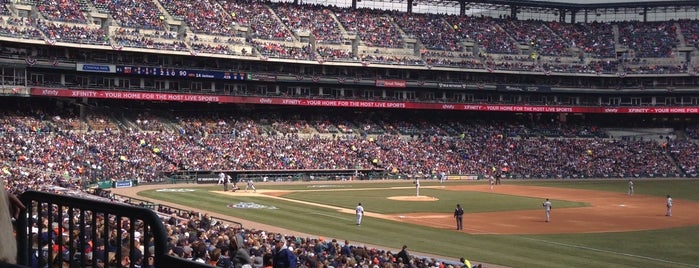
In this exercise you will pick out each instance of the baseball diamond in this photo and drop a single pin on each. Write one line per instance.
(603, 212)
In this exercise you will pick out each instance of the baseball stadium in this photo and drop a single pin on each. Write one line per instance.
(349, 133)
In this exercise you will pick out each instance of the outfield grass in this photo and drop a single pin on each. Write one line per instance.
(659, 248)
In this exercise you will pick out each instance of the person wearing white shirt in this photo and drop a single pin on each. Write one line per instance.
(630, 191)
(417, 187)
(360, 212)
(547, 207)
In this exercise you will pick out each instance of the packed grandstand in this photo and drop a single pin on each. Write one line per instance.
(60, 60)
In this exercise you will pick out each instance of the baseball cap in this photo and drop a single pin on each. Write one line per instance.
(178, 250)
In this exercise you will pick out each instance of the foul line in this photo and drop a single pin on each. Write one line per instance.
(609, 251)
(328, 215)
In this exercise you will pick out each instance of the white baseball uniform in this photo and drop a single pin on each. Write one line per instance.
(360, 212)
(547, 207)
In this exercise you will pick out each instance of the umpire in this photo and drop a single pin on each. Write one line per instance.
(459, 216)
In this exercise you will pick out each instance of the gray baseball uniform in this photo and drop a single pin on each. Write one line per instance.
(547, 207)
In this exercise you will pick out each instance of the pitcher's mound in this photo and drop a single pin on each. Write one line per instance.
(413, 198)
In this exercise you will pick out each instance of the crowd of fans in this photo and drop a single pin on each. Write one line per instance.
(63, 10)
(314, 19)
(58, 149)
(161, 40)
(374, 27)
(205, 17)
(277, 50)
(431, 30)
(594, 39)
(335, 54)
(143, 149)
(260, 21)
(690, 32)
(132, 14)
(18, 28)
(442, 40)
(73, 34)
(485, 32)
(649, 40)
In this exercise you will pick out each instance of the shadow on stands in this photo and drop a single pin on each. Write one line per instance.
(70, 231)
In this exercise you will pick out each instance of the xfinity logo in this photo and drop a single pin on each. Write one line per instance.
(49, 92)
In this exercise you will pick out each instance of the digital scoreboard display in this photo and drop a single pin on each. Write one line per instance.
(182, 73)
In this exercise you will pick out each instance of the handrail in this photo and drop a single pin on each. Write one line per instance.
(83, 218)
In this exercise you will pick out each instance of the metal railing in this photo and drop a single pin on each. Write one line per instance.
(91, 232)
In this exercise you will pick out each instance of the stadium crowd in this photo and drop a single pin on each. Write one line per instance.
(374, 27)
(162, 40)
(132, 14)
(48, 151)
(144, 148)
(442, 40)
(315, 20)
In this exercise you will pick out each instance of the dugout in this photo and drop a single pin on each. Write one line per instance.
(286, 175)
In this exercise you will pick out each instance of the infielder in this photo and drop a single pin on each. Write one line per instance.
(547, 208)
(250, 184)
(630, 191)
(669, 206)
(417, 187)
(492, 182)
(360, 212)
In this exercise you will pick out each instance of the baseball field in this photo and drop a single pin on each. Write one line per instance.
(594, 223)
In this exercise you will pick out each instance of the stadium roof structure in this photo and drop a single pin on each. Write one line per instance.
(589, 5)
(570, 8)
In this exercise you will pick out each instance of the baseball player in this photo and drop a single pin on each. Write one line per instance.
(492, 182)
(360, 212)
(630, 191)
(250, 184)
(221, 178)
(459, 215)
(417, 187)
(669, 206)
(547, 208)
(226, 181)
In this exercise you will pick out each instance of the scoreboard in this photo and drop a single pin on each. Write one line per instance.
(181, 73)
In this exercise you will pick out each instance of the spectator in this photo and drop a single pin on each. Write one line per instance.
(283, 257)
